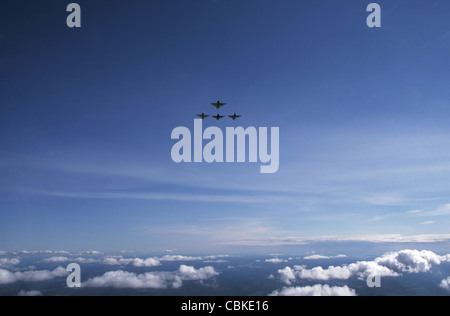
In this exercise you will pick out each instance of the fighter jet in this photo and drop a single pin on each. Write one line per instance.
(203, 116)
(218, 105)
(234, 117)
(218, 117)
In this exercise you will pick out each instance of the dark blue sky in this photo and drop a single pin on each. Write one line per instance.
(86, 117)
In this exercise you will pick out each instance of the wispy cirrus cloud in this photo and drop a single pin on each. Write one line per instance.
(223, 198)
(256, 232)
(385, 238)
(443, 210)
(389, 200)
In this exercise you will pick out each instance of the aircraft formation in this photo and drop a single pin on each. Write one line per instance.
(218, 117)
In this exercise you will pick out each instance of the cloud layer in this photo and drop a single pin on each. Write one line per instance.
(135, 262)
(29, 293)
(275, 260)
(390, 264)
(7, 277)
(152, 280)
(316, 290)
(320, 257)
(7, 263)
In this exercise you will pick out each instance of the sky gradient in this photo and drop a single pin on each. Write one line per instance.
(87, 114)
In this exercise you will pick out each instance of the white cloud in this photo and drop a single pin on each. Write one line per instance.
(35, 252)
(320, 257)
(428, 223)
(445, 284)
(287, 275)
(7, 277)
(190, 273)
(152, 280)
(316, 290)
(390, 264)
(135, 262)
(6, 262)
(189, 258)
(84, 260)
(2, 253)
(92, 252)
(123, 279)
(29, 293)
(66, 259)
(149, 262)
(386, 200)
(215, 261)
(318, 273)
(113, 261)
(62, 252)
(214, 257)
(360, 269)
(56, 259)
(275, 260)
(412, 261)
(375, 219)
(180, 258)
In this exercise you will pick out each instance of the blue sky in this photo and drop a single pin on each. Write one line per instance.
(86, 118)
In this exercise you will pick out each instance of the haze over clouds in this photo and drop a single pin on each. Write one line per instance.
(152, 280)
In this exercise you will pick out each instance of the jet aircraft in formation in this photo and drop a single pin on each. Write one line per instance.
(218, 105)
